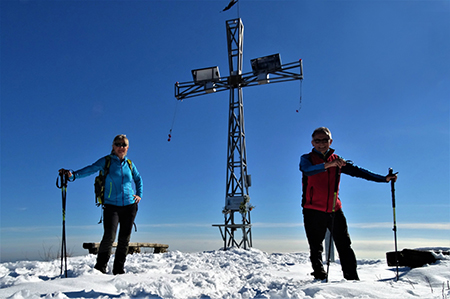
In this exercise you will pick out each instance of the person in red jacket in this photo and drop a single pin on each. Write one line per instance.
(322, 208)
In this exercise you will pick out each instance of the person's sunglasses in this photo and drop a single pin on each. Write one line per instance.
(118, 144)
(324, 140)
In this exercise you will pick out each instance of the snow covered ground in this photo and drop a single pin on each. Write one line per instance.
(235, 273)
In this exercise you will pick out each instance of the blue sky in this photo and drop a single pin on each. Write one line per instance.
(76, 73)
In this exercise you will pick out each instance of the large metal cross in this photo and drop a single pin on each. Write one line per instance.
(207, 81)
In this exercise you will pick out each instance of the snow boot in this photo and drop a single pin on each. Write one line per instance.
(102, 261)
(319, 272)
(119, 262)
(351, 276)
(319, 275)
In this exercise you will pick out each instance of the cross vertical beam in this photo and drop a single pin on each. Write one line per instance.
(236, 198)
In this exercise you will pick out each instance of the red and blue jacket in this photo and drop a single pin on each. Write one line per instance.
(319, 184)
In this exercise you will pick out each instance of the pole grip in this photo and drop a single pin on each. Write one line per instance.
(391, 171)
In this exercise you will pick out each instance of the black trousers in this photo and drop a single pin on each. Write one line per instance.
(316, 224)
(112, 217)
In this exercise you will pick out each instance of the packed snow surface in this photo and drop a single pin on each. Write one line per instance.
(235, 273)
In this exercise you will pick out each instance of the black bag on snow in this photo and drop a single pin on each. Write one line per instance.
(412, 258)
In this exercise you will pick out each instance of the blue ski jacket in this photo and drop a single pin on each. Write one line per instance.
(118, 184)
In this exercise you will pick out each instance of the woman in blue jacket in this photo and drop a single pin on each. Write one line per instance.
(120, 202)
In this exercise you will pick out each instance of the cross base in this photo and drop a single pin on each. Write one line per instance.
(227, 231)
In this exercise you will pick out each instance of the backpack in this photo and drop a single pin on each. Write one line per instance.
(413, 258)
(99, 183)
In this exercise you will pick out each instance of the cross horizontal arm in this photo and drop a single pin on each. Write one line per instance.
(192, 89)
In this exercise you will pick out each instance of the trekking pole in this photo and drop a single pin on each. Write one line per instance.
(63, 179)
(395, 222)
(332, 221)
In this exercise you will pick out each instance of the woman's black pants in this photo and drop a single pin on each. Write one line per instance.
(316, 224)
(112, 217)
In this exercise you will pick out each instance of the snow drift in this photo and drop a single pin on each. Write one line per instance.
(235, 273)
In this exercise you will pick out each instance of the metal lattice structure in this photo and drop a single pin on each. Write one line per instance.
(208, 80)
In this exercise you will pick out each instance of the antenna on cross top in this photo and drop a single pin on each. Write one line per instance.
(265, 70)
